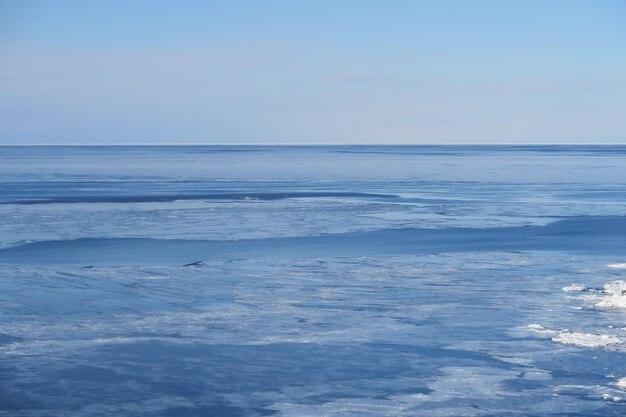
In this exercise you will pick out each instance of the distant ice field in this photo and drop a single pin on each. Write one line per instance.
(313, 281)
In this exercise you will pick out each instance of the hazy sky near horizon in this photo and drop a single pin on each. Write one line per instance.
(295, 72)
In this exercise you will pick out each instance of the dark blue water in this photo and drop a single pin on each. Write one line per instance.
(308, 281)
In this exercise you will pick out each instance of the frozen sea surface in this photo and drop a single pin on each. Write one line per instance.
(315, 281)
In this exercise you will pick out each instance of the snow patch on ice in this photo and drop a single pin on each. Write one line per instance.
(613, 398)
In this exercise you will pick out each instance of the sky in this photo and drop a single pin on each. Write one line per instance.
(312, 72)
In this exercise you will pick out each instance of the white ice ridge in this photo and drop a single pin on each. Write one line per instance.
(621, 383)
(618, 265)
(587, 339)
(567, 337)
(615, 295)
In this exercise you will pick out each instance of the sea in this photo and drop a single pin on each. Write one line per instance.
(312, 281)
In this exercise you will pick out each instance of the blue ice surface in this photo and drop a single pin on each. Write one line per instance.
(308, 281)
(599, 235)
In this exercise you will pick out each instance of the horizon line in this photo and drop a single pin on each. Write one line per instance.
(313, 144)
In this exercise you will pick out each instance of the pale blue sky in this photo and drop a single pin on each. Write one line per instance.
(349, 71)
